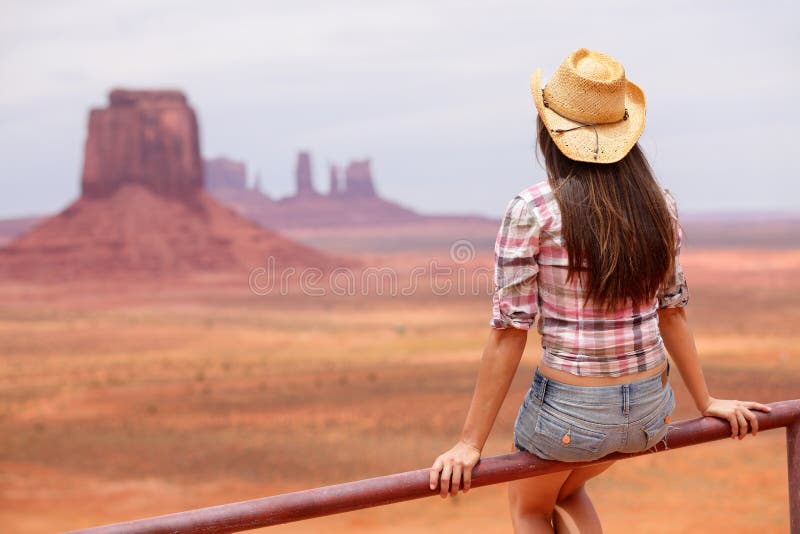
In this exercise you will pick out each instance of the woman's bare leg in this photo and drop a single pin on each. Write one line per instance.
(531, 502)
(574, 511)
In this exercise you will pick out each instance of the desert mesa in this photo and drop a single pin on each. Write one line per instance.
(150, 206)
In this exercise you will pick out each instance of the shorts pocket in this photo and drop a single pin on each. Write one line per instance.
(656, 428)
(526, 419)
(567, 441)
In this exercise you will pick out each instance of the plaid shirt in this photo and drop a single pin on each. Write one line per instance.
(530, 279)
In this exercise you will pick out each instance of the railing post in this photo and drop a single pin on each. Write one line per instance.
(793, 467)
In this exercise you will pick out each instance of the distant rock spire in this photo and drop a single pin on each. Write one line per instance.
(334, 181)
(303, 175)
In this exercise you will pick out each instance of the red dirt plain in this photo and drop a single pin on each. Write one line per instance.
(141, 400)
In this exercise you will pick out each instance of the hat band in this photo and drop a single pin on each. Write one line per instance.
(582, 124)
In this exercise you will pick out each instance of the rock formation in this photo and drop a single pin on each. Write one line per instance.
(143, 137)
(226, 180)
(223, 172)
(143, 212)
(305, 187)
(333, 189)
(358, 179)
(351, 201)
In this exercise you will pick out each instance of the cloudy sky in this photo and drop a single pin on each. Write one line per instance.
(435, 92)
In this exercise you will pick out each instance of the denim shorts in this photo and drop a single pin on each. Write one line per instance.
(569, 423)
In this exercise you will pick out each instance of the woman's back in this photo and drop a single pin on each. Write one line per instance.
(581, 339)
(599, 302)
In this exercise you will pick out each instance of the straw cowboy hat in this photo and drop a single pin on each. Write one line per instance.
(591, 111)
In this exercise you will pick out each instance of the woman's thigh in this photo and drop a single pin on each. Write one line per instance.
(578, 477)
(540, 493)
(536, 495)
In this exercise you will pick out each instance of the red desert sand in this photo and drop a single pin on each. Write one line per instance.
(140, 402)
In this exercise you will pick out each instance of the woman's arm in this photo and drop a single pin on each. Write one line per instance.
(679, 341)
(499, 363)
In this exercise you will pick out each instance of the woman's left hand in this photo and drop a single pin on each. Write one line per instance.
(456, 463)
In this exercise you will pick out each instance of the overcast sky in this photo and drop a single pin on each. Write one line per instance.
(435, 92)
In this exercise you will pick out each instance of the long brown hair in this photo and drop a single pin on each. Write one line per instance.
(616, 225)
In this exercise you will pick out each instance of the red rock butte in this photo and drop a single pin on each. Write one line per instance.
(144, 137)
(143, 209)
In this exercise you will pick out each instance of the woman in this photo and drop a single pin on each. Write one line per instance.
(593, 251)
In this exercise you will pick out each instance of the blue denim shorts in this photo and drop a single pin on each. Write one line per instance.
(569, 423)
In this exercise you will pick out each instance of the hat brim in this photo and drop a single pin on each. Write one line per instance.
(615, 139)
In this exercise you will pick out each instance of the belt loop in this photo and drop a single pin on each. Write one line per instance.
(626, 399)
(540, 399)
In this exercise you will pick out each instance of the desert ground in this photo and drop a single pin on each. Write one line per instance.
(139, 401)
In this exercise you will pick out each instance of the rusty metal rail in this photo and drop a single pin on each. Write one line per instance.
(267, 511)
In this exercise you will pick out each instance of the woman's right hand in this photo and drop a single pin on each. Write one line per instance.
(737, 413)
(456, 463)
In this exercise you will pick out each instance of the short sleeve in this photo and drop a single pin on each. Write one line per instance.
(515, 298)
(675, 292)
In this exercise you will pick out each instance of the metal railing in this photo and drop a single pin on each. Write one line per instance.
(299, 505)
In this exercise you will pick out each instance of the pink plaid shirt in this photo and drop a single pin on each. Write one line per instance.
(530, 280)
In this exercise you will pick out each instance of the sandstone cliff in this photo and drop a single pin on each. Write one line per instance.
(143, 137)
